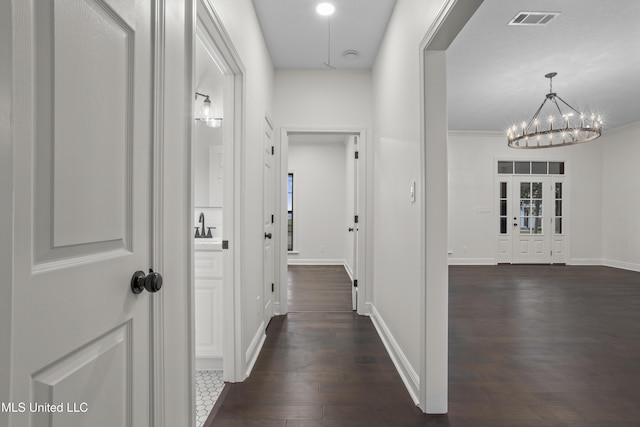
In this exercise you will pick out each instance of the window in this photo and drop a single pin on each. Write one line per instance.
(290, 212)
(503, 208)
(530, 168)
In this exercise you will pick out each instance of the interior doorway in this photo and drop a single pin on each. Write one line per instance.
(215, 202)
(322, 200)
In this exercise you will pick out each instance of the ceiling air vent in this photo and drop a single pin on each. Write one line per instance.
(533, 18)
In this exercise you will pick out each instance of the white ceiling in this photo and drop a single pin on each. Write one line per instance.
(495, 72)
(297, 37)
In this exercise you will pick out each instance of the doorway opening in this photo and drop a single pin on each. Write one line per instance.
(215, 202)
(322, 200)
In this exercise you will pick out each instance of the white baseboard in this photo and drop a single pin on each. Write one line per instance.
(315, 262)
(472, 261)
(276, 308)
(407, 373)
(584, 261)
(621, 264)
(349, 271)
(254, 349)
(367, 309)
(209, 364)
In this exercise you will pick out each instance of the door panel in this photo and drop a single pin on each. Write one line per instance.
(82, 212)
(531, 231)
(268, 216)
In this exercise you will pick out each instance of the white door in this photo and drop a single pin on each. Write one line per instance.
(82, 123)
(269, 220)
(354, 227)
(531, 214)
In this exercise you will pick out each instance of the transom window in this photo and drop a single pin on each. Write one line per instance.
(518, 167)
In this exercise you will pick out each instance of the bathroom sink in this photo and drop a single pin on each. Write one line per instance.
(214, 244)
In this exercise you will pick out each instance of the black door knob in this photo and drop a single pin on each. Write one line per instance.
(267, 235)
(350, 228)
(152, 282)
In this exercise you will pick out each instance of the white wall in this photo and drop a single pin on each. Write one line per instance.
(240, 22)
(397, 228)
(323, 98)
(621, 197)
(319, 202)
(472, 166)
(209, 81)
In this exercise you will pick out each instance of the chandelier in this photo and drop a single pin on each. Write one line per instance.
(558, 129)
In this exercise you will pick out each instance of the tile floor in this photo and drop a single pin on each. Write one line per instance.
(209, 385)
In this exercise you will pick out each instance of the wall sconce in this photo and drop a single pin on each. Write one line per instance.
(206, 114)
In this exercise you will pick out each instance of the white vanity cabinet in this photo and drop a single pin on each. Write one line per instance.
(208, 305)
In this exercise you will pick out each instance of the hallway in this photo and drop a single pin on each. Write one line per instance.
(322, 365)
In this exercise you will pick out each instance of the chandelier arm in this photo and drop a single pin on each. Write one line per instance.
(535, 116)
(565, 103)
(557, 106)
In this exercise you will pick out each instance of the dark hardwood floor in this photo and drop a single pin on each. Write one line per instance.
(318, 288)
(528, 346)
(544, 346)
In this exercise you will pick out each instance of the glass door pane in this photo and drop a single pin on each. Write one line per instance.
(531, 208)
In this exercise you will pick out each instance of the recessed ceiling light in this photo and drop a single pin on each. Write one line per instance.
(325, 9)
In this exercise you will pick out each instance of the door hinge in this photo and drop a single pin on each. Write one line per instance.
(355, 219)
(225, 244)
(357, 155)
(272, 219)
(273, 287)
(355, 283)
(273, 150)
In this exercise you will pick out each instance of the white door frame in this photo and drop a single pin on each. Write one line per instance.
(433, 192)
(210, 25)
(364, 305)
(561, 245)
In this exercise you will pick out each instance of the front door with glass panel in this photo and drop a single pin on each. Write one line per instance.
(531, 226)
(531, 242)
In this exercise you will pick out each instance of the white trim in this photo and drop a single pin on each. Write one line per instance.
(316, 262)
(584, 261)
(348, 268)
(479, 133)
(158, 416)
(450, 19)
(234, 71)
(363, 268)
(408, 374)
(472, 261)
(368, 308)
(621, 264)
(624, 128)
(254, 349)
(209, 364)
